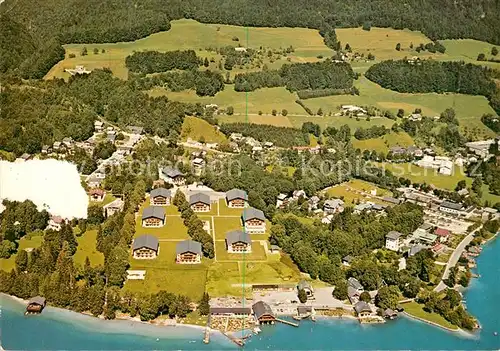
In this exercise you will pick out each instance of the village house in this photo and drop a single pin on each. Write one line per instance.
(355, 284)
(347, 260)
(188, 252)
(451, 208)
(443, 234)
(254, 221)
(238, 241)
(389, 314)
(200, 202)
(153, 217)
(480, 148)
(46, 149)
(57, 146)
(298, 194)
(281, 200)
(173, 176)
(333, 206)
(308, 289)
(353, 295)
(160, 197)
(236, 198)
(113, 207)
(98, 125)
(145, 247)
(268, 145)
(68, 142)
(363, 310)
(263, 313)
(198, 164)
(94, 182)
(97, 194)
(313, 202)
(55, 223)
(392, 241)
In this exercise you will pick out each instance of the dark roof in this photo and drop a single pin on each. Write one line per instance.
(160, 192)
(362, 306)
(148, 241)
(171, 172)
(351, 292)
(153, 211)
(236, 236)
(442, 232)
(199, 197)
(390, 313)
(236, 194)
(304, 309)
(251, 213)
(451, 205)
(393, 235)
(38, 300)
(303, 285)
(188, 246)
(135, 129)
(354, 283)
(261, 308)
(391, 200)
(227, 310)
(348, 259)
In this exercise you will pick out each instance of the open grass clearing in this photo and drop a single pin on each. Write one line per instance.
(26, 242)
(223, 225)
(87, 248)
(385, 142)
(227, 211)
(199, 129)
(417, 310)
(189, 34)
(349, 192)
(258, 253)
(174, 227)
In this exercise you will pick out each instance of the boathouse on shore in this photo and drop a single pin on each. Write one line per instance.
(263, 313)
(36, 305)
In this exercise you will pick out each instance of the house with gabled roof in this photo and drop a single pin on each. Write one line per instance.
(254, 221)
(153, 216)
(236, 198)
(355, 284)
(145, 247)
(263, 313)
(362, 309)
(392, 241)
(173, 176)
(188, 252)
(200, 202)
(97, 194)
(443, 234)
(308, 289)
(238, 241)
(160, 197)
(113, 207)
(333, 206)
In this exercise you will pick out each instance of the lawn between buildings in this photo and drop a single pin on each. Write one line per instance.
(217, 278)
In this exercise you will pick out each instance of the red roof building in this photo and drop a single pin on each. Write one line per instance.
(443, 234)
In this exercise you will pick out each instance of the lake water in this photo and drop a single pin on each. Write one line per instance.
(59, 329)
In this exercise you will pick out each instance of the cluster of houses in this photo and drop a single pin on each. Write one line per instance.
(426, 236)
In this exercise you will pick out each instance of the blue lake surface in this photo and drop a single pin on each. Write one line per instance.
(57, 329)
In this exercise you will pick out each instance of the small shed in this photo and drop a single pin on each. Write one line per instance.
(36, 305)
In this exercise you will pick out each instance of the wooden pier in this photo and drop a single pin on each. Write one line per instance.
(206, 338)
(237, 341)
(287, 322)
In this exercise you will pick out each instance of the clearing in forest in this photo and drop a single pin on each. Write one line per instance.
(197, 128)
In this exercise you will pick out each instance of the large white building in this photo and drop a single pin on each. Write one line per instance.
(392, 241)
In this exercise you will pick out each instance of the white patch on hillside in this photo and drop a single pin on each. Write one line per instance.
(51, 184)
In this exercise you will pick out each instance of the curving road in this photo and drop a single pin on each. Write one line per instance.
(455, 256)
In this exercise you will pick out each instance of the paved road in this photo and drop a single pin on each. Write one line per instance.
(454, 258)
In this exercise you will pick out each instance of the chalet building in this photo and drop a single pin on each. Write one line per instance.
(153, 217)
(200, 202)
(238, 241)
(303, 285)
(188, 252)
(263, 313)
(97, 195)
(36, 305)
(254, 221)
(55, 223)
(236, 198)
(160, 197)
(392, 241)
(145, 247)
(113, 207)
(362, 309)
(443, 234)
(173, 176)
(236, 312)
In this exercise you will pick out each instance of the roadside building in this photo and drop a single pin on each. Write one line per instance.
(443, 234)
(355, 284)
(362, 309)
(160, 197)
(263, 313)
(46, 149)
(188, 252)
(304, 285)
(238, 241)
(97, 195)
(200, 202)
(392, 241)
(113, 207)
(55, 223)
(391, 200)
(145, 247)
(423, 237)
(173, 176)
(235, 312)
(451, 208)
(254, 221)
(153, 216)
(333, 206)
(236, 198)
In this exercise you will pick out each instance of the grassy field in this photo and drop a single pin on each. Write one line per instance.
(347, 191)
(468, 49)
(224, 225)
(86, 248)
(27, 242)
(196, 128)
(174, 228)
(258, 253)
(416, 310)
(190, 34)
(384, 143)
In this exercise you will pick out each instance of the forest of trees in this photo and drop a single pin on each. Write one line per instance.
(205, 83)
(299, 76)
(370, 133)
(491, 121)
(309, 94)
(146, 62)
(280, 136)
(436, 77)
